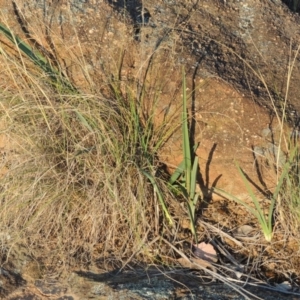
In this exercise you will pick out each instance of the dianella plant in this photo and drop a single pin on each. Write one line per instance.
(265, 219)
(185, 176)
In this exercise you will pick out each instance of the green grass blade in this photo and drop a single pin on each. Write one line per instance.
(250, 191)
(177, 173)
(196, 146)
(160, 196)
(229, 196)
(264, 221)
(196, 198)
(283, 177)
(191, 211)
(36, 57)
(84, 121)
(194, 178)
(186, 139)
(284, 173)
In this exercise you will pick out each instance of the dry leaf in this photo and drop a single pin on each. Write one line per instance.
(196, 263)
(205, 251)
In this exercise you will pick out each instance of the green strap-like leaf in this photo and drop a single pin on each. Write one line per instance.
(194, 178)
(160, 196)
(36, 57)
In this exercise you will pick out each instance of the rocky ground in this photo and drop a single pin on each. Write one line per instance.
(137, 285)
(236, 55)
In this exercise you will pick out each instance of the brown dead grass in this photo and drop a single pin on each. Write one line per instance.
(73, 185)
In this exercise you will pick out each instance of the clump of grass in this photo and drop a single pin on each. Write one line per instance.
(265, 220)
(287, 187)
(288, 207)
(185, 176)
(76, 184)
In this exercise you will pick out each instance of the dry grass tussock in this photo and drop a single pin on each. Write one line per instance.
(288, 202)
(74, 185)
